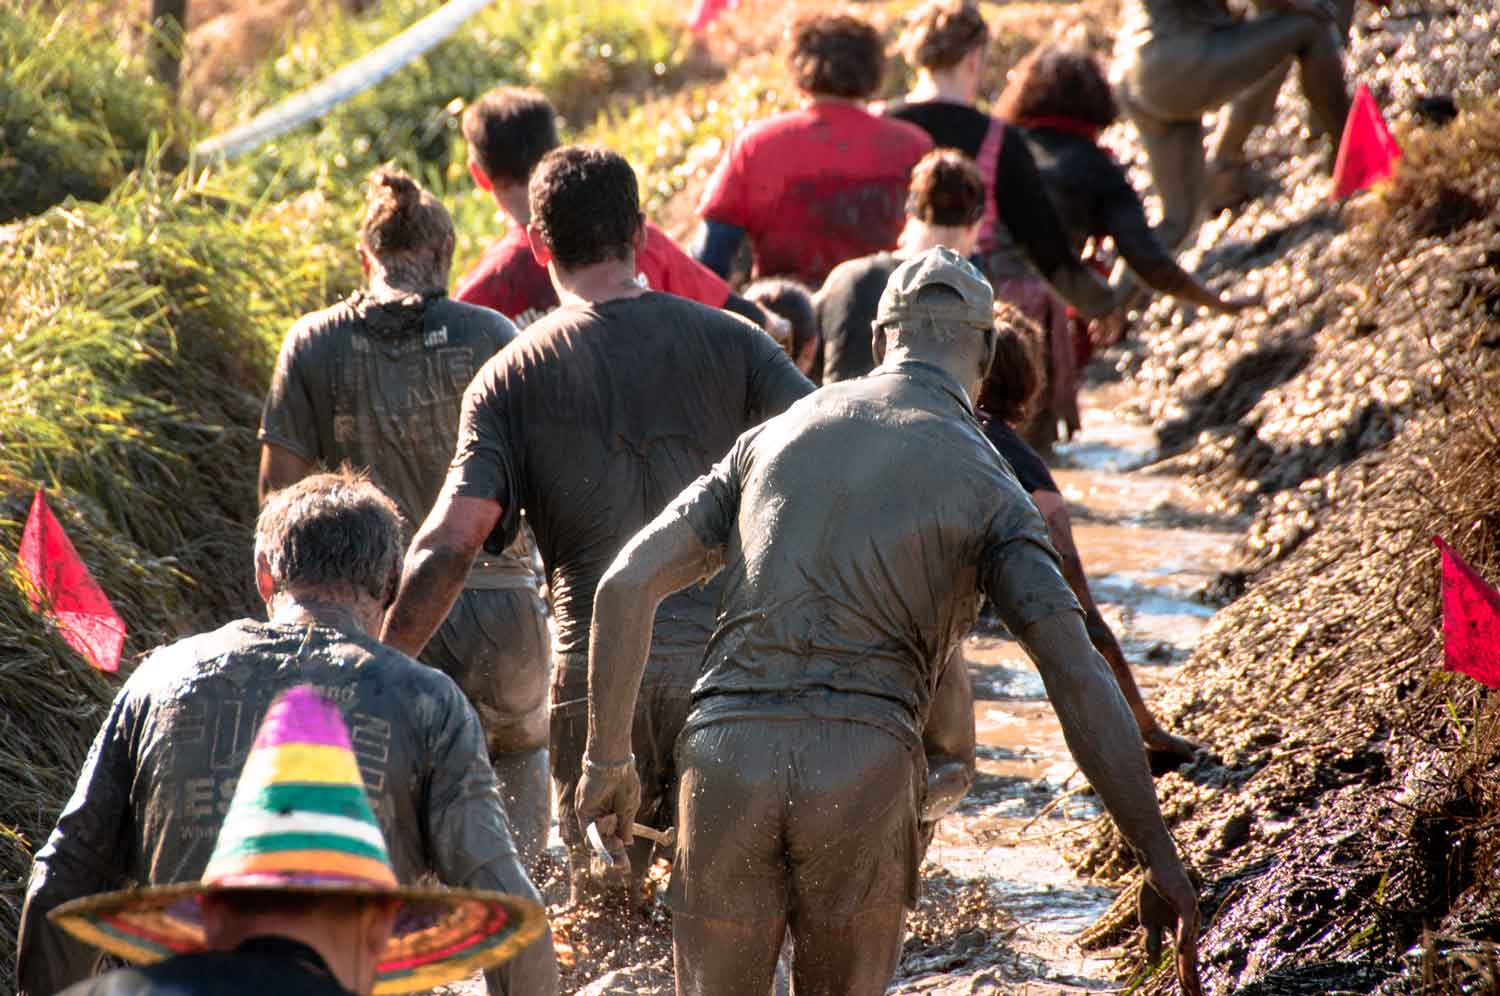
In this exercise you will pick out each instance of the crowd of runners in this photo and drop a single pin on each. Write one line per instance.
(758, 588)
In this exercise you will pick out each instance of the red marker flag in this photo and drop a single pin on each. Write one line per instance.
(1367, 152)
(705, 11)
(74, 599)
(1471, 620)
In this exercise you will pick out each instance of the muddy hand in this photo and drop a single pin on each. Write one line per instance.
(1159, 741)
(609, 795)
(1168, 902)
(1241, 302)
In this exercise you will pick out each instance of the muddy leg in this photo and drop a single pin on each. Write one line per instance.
(1240, 60)
(1175, 152)
(729, 883)
(853, 956)
(494, 646)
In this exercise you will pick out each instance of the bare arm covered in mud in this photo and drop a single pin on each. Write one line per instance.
(279, 468)
(948, 740)
(663, 557)
(436, 567)
(1060, 528)
(1101, 736)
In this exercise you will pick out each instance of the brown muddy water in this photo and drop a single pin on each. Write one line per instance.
(1002, 910)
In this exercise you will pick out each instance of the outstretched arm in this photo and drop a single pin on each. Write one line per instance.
(1102, 739)
(1060, 528)
(436, 566)
(1125, 222)
(660, 559)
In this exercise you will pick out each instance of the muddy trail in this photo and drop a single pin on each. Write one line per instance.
(1001, 909)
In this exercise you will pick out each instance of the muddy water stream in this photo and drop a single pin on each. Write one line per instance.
(1148, 547)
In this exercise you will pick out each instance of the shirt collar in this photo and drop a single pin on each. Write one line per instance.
(931, 374)
(274, 946)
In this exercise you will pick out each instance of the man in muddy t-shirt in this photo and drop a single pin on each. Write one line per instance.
(591, 423)
(856, 533)
(376, 381)
(824, 183)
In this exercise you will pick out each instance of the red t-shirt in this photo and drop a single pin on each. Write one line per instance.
(510, 280)
(815, 187)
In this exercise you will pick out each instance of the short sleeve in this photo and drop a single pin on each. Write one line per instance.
(289, 418)
(484, 460)
(726, 199)
(711, 504)
(1020, 570)
(775, 382)
(674, 271)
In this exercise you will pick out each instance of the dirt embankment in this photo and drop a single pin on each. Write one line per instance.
(1346, 828)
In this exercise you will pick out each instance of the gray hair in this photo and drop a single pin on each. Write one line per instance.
(332, 531)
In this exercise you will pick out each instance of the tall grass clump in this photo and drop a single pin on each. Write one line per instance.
(139, 335)
(76, 114)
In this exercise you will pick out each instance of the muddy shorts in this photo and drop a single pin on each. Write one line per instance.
(494, 645)
(660, 711)
(810, 815)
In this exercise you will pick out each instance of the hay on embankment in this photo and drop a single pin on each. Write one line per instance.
(1351, 813)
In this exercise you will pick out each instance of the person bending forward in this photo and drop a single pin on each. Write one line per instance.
(857, 532)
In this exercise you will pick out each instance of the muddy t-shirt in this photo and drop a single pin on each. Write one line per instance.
(162, 771)
(846, 306)
(858, 532)
(816, 186)
(599, 416)
(511, 281)
(379, 384)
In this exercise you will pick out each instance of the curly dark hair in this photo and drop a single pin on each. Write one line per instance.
(1058, 81)
(946, 189)
(332, 531)
(586, 205)
(401, 218)
(940, 33)
(792, 301)
(1016, 375)
(509, 130)
(835, 55)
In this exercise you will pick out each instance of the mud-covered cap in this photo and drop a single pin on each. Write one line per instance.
(940, 267)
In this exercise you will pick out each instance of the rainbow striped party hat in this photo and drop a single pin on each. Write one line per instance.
(301, 822)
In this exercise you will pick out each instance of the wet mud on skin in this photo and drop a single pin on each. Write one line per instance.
(1001, 910)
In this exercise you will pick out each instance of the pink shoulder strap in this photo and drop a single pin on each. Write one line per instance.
(988, 162)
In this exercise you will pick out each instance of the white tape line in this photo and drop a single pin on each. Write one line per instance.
(356, 77)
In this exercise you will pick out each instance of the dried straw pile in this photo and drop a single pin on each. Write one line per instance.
(1355, 799)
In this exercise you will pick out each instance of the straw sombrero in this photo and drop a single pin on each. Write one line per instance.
(300, 822)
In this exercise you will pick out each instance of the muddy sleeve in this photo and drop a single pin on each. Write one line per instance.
(289, 418)
(85, 854)
(1121, 216)
(711, 504)
(1019, 569)
(484, 460)
(469, 837)
(775, 382)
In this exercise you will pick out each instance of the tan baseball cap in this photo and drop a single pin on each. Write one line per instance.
(942, 267)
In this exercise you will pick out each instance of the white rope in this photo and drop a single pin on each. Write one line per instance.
(356, 77)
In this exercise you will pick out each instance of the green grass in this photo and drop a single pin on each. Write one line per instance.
(75, 115)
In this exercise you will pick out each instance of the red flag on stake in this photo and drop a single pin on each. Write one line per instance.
(1471, 620)
(74, 599)
(704, 12)
(1367, 152)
